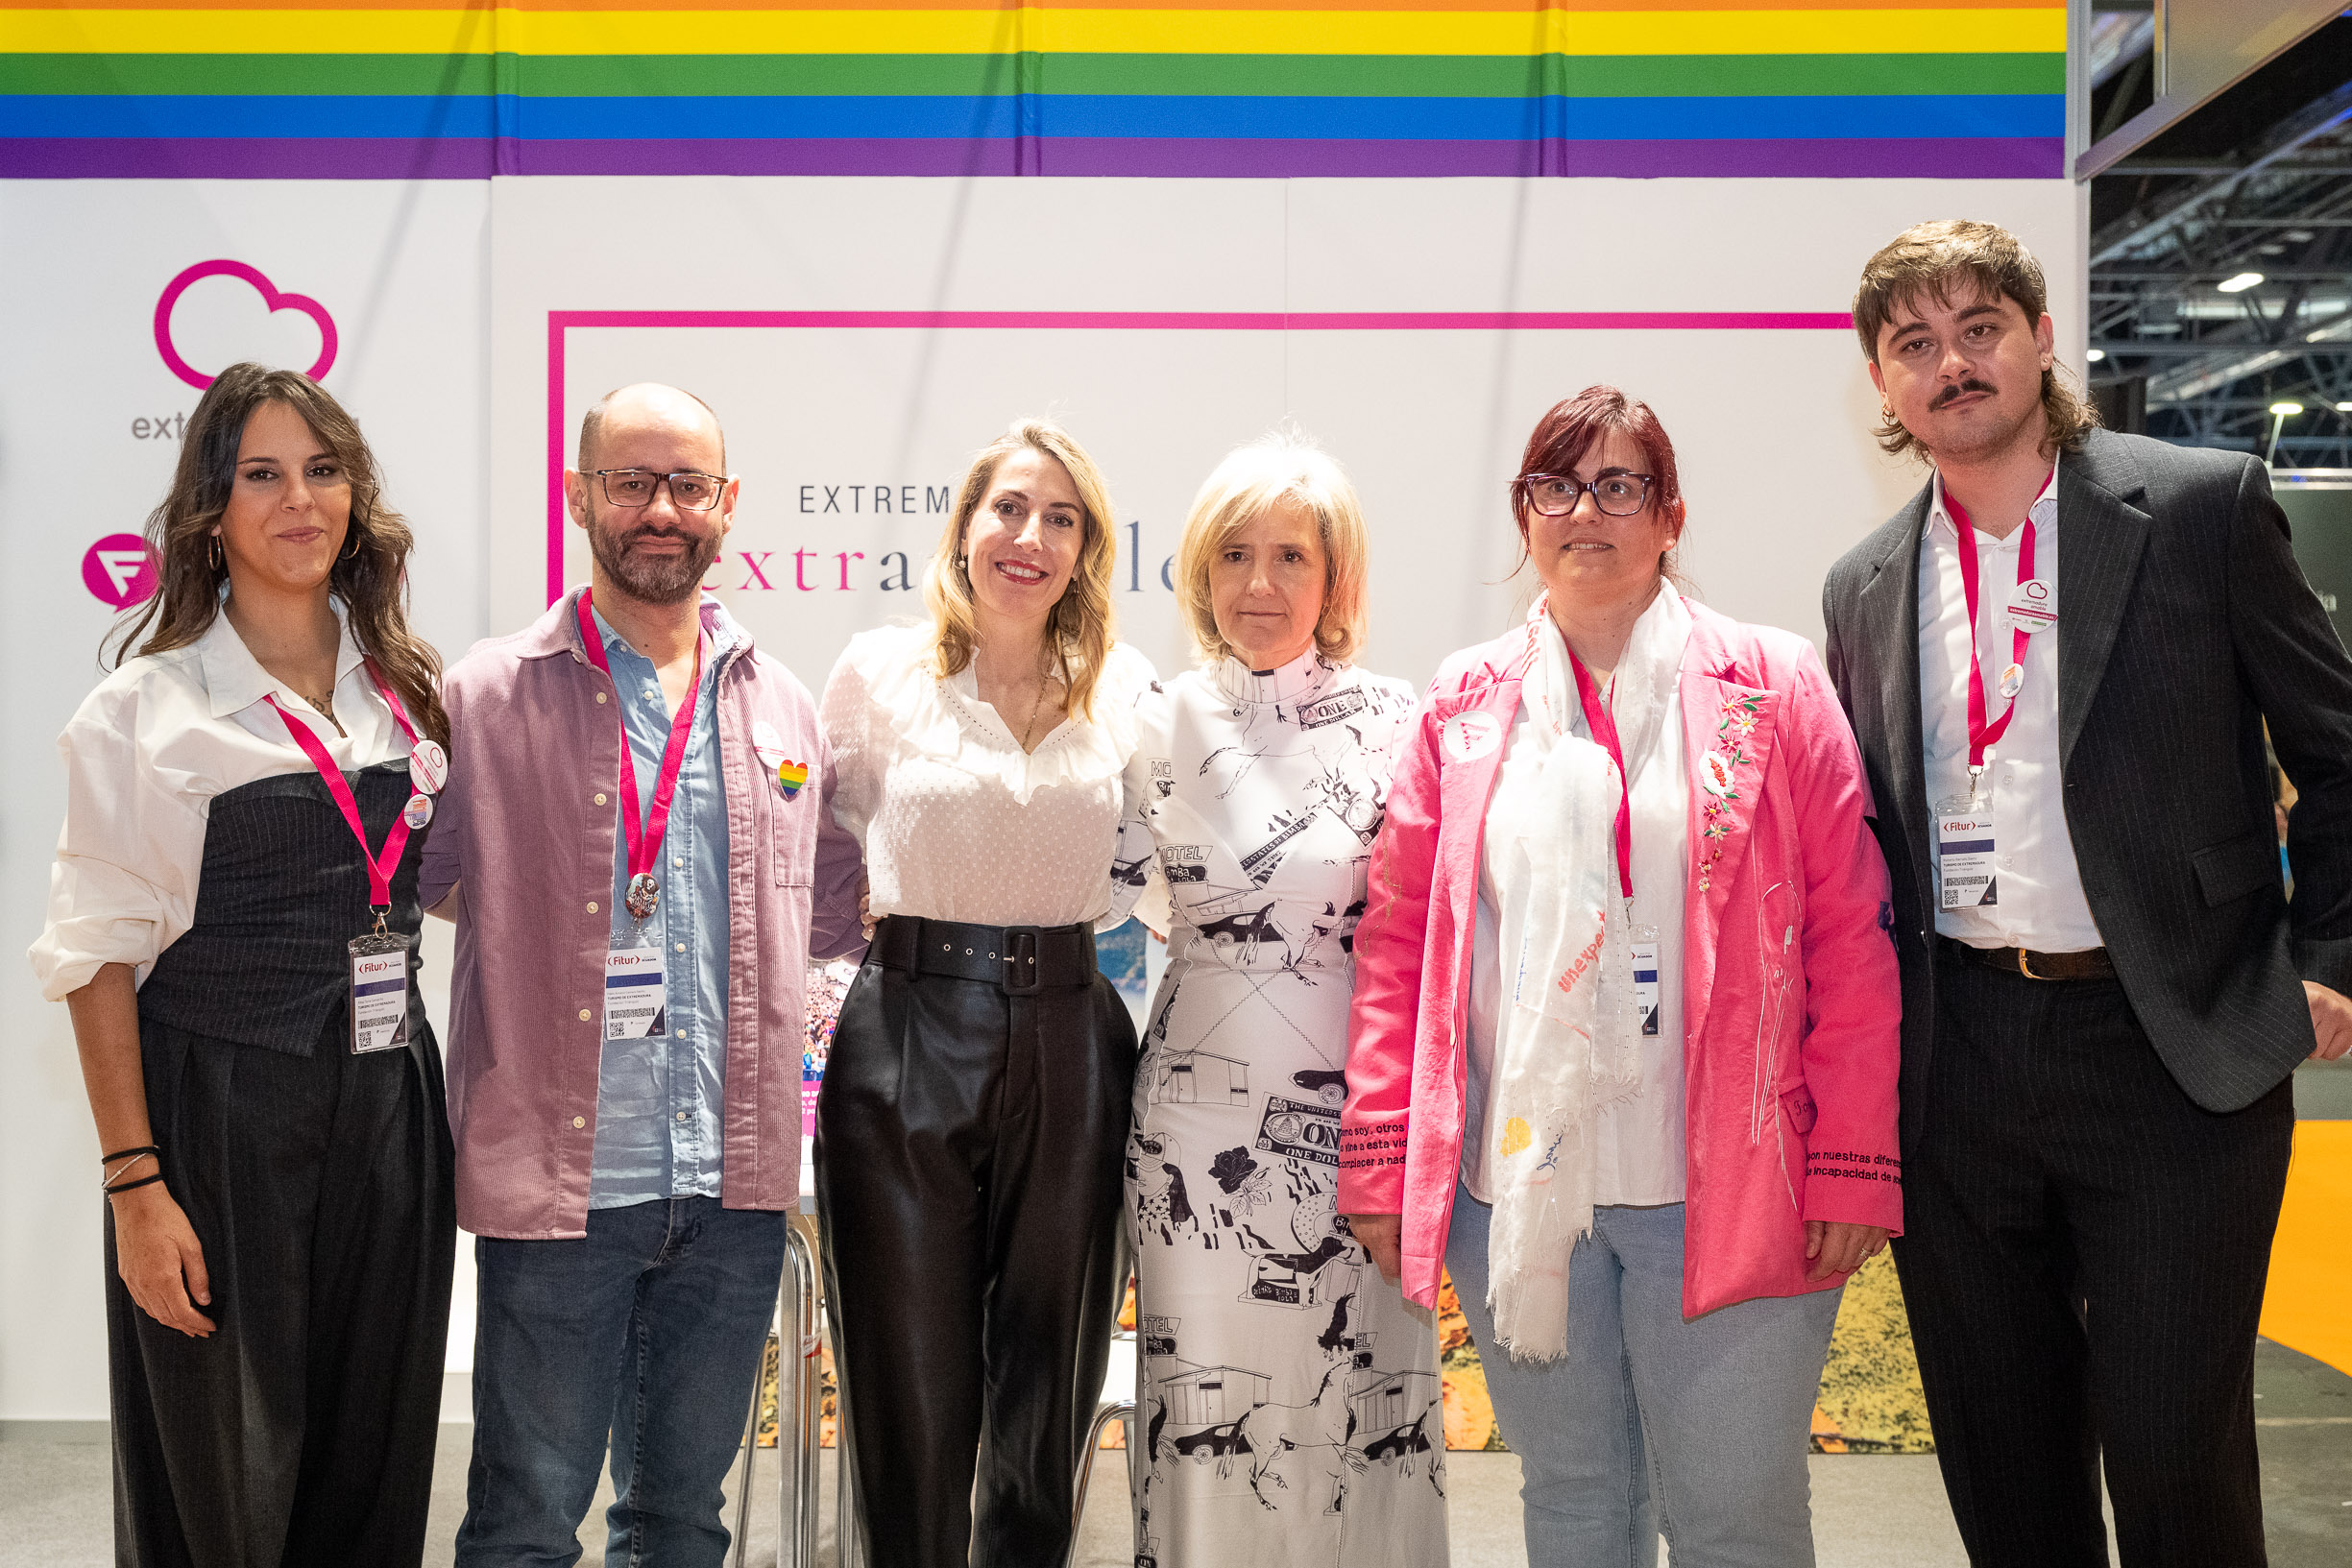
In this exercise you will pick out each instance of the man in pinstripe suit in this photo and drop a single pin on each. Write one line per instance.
(2059, 659)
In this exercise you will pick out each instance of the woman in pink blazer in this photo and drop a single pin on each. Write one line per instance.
(1623, 1042)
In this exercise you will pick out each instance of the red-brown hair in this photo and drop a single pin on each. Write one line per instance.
(1574, 427)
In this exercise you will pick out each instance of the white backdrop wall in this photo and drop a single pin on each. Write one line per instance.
(448, 302)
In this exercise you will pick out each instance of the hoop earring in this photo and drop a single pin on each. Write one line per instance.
(212, 552)
(351, 554)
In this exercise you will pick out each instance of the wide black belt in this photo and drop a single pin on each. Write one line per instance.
(2091, 964)
(1019, 960)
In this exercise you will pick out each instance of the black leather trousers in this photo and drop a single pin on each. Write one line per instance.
(968, 1146)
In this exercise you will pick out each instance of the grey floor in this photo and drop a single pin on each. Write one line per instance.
(1869, 1512)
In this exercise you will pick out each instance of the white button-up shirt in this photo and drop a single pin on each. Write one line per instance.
(145, 753)
(2040, 889)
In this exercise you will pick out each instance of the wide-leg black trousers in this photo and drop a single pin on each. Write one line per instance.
(968, 1176)
(300, 1431)
(2083, 1258)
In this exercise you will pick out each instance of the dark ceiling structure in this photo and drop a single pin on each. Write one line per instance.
(2221, 251)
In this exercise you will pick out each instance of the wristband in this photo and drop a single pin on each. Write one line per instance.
(143, 1181)
(126, 1153)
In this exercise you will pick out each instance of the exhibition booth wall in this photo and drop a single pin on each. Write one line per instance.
(867, 281)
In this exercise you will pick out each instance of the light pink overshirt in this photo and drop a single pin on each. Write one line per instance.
(525, 831)
(1790, 992)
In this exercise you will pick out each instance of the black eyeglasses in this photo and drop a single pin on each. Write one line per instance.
(689, 490)
(1554, 495)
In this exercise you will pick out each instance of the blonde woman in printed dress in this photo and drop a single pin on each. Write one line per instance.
(1286, 1415)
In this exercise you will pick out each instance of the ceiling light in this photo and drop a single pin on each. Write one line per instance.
(2239, 284)
(2285, 410)
(2343, 408)
(2096, 355)
(2299, 237)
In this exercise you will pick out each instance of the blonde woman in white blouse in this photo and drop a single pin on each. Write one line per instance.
(968, 1135)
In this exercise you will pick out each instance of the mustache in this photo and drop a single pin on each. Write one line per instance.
(1945, 395)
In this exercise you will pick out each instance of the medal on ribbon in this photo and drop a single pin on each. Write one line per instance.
(643, 836)
(644, 893)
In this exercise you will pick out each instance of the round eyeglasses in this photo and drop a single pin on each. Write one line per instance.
(689, 490)
(1620, 495)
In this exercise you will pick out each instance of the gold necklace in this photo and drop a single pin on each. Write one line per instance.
(1029, 731)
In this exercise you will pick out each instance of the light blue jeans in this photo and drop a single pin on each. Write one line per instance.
(1650, 1424)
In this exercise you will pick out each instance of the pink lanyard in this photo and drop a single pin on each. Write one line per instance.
(644, 838)
(1980, 734)
(1604, 728)
(381, 867)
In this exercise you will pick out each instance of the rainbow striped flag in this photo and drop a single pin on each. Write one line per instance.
(429, 89)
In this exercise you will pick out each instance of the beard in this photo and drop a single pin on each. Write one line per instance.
(651, 579)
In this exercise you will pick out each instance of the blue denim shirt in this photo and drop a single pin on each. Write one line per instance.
(659, 1098)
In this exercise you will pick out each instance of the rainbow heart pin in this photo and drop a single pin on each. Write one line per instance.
(790, 776)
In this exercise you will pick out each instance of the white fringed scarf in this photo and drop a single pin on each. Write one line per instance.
(1567, 1045)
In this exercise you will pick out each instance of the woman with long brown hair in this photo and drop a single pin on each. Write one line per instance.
(968, 1136)
(232, 921)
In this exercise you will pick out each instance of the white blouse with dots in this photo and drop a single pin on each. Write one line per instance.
(957, 822)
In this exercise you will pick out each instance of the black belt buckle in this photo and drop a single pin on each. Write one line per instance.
(1021, 977)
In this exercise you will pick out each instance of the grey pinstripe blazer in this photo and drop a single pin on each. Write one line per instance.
(2185, 623)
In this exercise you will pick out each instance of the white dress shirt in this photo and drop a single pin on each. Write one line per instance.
(1641, 1139)
(145, 755)
(2041, 904)
(957, 821)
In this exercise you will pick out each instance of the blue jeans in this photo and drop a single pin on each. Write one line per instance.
(1697, 1430)
(647, 1332)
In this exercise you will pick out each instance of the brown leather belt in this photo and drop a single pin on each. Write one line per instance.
(2092, 964)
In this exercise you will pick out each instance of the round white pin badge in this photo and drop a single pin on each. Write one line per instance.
(418, 812)
(428, 767)
(1468, 737)
(2034, 606)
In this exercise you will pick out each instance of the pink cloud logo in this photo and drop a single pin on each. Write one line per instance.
(118, 571)
(270, 296)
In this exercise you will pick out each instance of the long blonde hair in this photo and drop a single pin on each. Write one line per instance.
(1081, 630)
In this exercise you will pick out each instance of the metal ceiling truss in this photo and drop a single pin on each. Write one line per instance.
(2214, 363)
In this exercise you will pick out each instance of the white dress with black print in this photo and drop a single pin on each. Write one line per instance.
(1288, 1406)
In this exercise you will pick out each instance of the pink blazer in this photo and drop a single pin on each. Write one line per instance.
(1791, 999)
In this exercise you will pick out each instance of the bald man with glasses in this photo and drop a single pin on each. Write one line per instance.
(636, 848)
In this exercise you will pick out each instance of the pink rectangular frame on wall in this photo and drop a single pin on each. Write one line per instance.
(561, 322)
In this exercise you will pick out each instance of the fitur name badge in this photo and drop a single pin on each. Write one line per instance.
(378, 1003)
(379, 992)
(1645, 976)
(1965, 879)
(634, 993)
